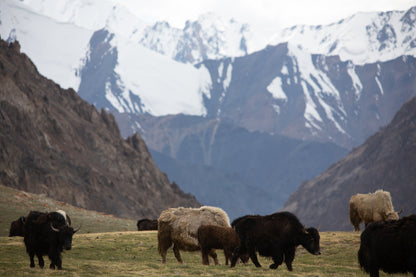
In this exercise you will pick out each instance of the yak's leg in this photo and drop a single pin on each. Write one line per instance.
(228, 255)
(164, 243)
(277, 259)
(55, 260)
(289, 257)
(163, 254)
(41, 261)
(32, 258)
(214, 256)
(253, 255)
(235, 256)
(204, 252)
(177, 253)
(374, 273)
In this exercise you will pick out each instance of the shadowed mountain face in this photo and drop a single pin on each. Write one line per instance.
(228, 166)
(55, 143)
(386, 160)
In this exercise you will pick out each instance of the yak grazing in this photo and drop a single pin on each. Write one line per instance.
(218, 237)
(371, 207)
(146, 224)
(17, 227)
(179, 226)
(47, 234)
(276, 236)
(389, 246)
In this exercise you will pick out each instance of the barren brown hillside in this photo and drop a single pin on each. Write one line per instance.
(53, 142)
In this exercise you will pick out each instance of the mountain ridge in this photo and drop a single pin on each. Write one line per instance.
(386, 160)
(55, 143)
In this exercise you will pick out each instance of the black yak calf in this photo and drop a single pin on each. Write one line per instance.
(389, 246)
(276, 236)
(47, 234)
(17, 227)
(212, 237)
(146, 224)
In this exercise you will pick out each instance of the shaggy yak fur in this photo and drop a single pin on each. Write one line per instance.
(276, 236)
(146, 224)
(179, 226)
(17, 227)
(389, 246)
(371, 207)
(47, 234)
(218, 237)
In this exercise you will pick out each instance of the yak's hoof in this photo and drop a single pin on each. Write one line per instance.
(273, 266)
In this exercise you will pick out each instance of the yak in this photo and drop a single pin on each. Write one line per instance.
(47, 234)
(389, 246)
(146, 224)
(17, 227)
(276, 236)
(179, 226)
(218, 237)
(371, 207)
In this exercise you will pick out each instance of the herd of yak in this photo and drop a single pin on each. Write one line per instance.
(387, 243)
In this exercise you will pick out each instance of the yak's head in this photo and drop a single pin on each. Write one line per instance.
(393, 215)
(65, 234)
(311, 241)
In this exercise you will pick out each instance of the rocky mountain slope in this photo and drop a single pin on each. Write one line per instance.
(54, 143)
(387, 160)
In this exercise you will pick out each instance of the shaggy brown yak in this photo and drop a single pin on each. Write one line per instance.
(179, 226)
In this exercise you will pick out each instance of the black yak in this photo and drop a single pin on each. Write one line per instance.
(17, 227)
(276, 236)
(389, 246)
(146, 224)
(47, 234)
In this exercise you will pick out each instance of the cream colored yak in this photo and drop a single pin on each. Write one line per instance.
(179, 226)
(371, 207)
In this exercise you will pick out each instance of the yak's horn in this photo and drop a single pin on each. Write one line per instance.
(77, 229)
(55, 229)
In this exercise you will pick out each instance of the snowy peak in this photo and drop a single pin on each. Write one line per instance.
(91, 14)
(409, 20)
(209, 37)
(362, 38)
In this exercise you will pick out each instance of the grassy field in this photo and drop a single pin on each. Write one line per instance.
(135, 253)
(110, 246)
(16, 203)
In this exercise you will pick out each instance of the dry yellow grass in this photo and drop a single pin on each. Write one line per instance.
(135, 253)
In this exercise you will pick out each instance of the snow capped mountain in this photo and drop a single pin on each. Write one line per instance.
(56, 48)
(209, 37)
(361, 38)
(91, 14)
(117, 62)
(162, 85)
